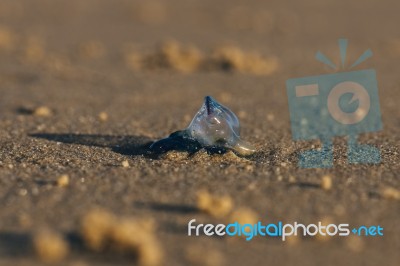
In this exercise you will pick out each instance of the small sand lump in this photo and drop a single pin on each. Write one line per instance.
(103, 116)
(63, 181)
(244, 216)
(50, 246)
(181, 58)
(214, 205)
(391, 193)
(95, 228)
(42, 111)
(102, 230)
(326, 182)
(125, 164)
(137, 237)
(188, 58)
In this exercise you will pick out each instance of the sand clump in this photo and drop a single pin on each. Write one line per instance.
(243, 215)
(223, 157)
(223, 207)
(195, 255)
(63, 181)
(43, 111)
(216, 206)
(102, 230)
(50, 246)
(95, 228)
(390, 193)
(188, 58)
(170, 55)
(231, 58)
(103, 116)
(181, 58)
(125, 164)
(326, 183)
(176, 156)
(217, 158)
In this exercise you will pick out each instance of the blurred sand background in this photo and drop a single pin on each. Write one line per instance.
(86, 85)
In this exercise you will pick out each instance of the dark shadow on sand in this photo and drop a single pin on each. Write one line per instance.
(19, 245)
(15, 245)
(167, 207)
(131, 145)
(305, 185)
(126, 145)
(142, 145)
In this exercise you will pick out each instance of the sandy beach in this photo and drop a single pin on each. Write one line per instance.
(87, 86)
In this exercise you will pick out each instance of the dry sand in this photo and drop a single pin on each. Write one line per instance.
(76, 102)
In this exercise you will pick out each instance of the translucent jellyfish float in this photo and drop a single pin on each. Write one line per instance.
(214, 127)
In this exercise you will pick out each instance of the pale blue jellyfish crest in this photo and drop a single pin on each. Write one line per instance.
(214, 125)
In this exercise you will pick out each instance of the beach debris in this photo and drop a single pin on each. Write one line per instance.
(50, 246)
(214, 127)
(181, 58)
(96, 227)
(102, 230)
(170, 55)
(326, 182)
(243, 215)
(223, 207)
(176, 156)
(42, 111)
(391, 193)
(189, 58)
(214, 205)
(137, 237)
(232, 58)
(103, 116)
(125, 164)
(63, 181)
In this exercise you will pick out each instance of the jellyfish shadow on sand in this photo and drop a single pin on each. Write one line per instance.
(129, 145)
